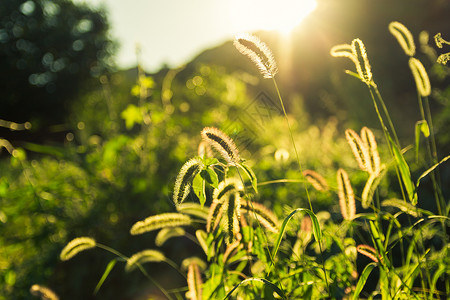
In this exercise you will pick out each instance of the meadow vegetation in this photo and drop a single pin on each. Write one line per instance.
(181, 179)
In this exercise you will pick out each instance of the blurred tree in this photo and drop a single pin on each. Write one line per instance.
(48, 50)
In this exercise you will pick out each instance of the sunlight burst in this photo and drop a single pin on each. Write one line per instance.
(283, 15)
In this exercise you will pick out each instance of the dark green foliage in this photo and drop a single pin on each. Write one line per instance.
(49, 50)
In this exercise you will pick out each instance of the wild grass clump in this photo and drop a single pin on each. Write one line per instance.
(246, 252)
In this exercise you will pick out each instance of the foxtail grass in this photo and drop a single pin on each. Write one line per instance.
(183, 182)
(167, 233)
(258, 52)
(262, 56)
(142, 257)
(160, 221)
(222, 143)
(76, 246)
(368, 251)
(404, 37)
(316, 180)
(194, 281)
(346, 195)
(44, 292)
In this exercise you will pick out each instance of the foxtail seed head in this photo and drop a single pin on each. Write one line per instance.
(160, 221)
(374, 162)
(316, 180)
(258, 52)
(183, 183)
(403, 36)
(344, 50)
(168, 233)
(233, 209)
(420, 76)
(368, 251)
(222, 143)
(359, 149)
(194, 281)
(144, 256)
(44, 292)
(75, 246)
(346, 195)
(363, 66)
(404, 206)
(262, 214)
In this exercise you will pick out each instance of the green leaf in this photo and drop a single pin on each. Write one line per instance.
(251, 175)
(211, 177)
(265, 281)
(362, 279)
(198, 185)
(208, 161)
(315, 223)
(421, 126)
(404, 172)
(108, 269)
(431, 170)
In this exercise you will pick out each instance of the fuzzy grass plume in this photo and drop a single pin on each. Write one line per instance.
(346, 195)
(258, 52)
(262, 214)
(316, 180)
(144, 256)
(168, 233)
(344, 50)
(44, 292)
(359, 149)
(222, 143)
(371, 185)
(184, 180)
(363, 66)
(232, 216)
(194, 281)
(404, 37)
(373, 160)
(76, 246)
(420, 76)
(368, 251)
(160, 221)
(404, 206)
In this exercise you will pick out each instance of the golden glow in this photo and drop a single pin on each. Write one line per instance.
(281, 15)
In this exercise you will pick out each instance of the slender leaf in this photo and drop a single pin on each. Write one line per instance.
(251, 175)
(211, 177)
(431, 169)
(404, 172)
(265, 281)
(362, 279)
(315, 223)
(421, 126)
(108, 270)
(198, 185)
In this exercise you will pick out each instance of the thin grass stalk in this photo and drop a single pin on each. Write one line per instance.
(143, 271)
(386, 135)
(301, 172)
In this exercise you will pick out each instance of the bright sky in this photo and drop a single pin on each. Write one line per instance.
(175, 31)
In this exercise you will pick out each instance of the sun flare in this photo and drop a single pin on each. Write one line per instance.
(282, 15)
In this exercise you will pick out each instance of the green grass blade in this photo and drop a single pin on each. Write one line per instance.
(362, 280)
(108, 270)
(265, 281)
(315, 223)
(431, 169)
(251, 175)
(404, 172)
(421, 126)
